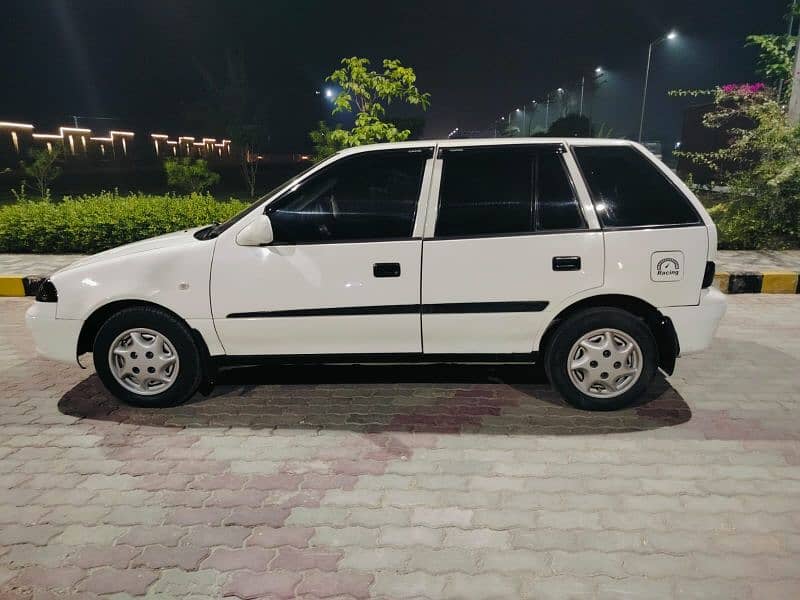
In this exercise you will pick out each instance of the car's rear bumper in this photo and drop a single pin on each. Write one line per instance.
(695, 325)
(56, 339)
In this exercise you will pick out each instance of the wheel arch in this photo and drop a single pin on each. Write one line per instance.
(101, 314)
(660, 326)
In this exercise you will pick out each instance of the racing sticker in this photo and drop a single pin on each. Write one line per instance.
(666, 266)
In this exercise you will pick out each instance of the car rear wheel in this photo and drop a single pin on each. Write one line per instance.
(601, 359)
(147, 357)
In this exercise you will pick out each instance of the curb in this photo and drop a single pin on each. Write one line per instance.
(20, 285)
(753, 282)
(747, 282)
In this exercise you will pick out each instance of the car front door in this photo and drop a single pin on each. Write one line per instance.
(342, 275)
(505, 245)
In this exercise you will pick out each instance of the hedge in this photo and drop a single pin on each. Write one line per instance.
(92, 223)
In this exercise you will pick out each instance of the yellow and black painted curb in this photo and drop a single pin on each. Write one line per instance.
(750, 282)
(754, 282)
(20, 285)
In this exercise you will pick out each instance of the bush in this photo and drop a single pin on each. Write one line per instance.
(189, 175)
(760, 166)
(97, 222)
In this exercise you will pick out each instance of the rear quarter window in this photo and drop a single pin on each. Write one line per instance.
(628, 190)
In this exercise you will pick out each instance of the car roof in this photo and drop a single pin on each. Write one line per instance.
(463, 142)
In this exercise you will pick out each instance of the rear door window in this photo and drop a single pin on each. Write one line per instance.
(495, 191)
(628, 190)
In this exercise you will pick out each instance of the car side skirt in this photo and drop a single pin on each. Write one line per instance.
(379, 358)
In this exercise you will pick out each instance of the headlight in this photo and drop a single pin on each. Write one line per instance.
(46, 292)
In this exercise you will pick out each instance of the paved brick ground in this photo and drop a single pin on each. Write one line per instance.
(408, 482)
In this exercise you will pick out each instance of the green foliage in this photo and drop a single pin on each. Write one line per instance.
(189, 175)
(324, 145)
(776, 55)
(368, 93)
(101, 221)
(760, 166)
(43, 169)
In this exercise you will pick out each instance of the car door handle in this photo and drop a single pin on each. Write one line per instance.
(386, 269)
(566, 263)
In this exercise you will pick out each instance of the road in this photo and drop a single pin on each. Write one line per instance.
(408, 482)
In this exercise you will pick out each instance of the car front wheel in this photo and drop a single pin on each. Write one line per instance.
(147, 357)
(602, 359)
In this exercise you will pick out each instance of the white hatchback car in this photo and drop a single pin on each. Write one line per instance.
(588, 255)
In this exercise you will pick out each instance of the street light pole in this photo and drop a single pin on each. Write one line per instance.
(547, 114)
(644, 93)
(583, 83)
(670, 36)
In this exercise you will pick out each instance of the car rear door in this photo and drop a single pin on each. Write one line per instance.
(506, 242)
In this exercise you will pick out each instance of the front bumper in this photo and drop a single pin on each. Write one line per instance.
(696, 325)
(56, 339)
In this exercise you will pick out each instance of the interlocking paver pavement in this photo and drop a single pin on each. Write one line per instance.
(403, 482)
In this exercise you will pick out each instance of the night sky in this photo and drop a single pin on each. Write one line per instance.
(146, 62)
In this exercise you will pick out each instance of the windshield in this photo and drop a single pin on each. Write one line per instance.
(217, 229)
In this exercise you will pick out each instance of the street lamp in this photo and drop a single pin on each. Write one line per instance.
(669, 36)
(598, 72)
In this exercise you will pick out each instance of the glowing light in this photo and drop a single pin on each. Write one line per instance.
(211, 140)
(598, 70)
(73, 130)
(121, 133)
(10, 125)
(101, 139)
(328, 93)
(159, 136)
(47, 136)
(15, 141)
(672, 35)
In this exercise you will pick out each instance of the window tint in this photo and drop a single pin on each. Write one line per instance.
(556, 206)
(367, 196)
(486, 191)
(629, 191)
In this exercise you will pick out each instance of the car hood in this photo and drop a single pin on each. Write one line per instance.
(177, 238)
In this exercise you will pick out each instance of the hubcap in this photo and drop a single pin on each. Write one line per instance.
(143, 361)
(605, 363)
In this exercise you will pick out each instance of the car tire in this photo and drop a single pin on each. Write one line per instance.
(147, 357)
(601, 359)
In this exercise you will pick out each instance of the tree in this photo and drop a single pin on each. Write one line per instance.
(189, 175)
(571, 125)
(759, 164)
(324, 145)
(775, 57)
(230, 100)
(249, 166)
(43, 168)
(367, 93)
